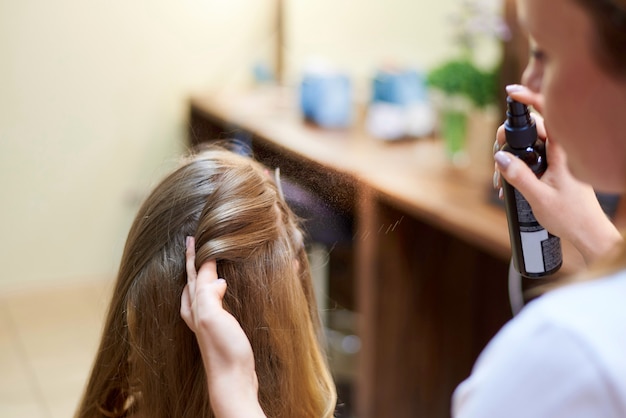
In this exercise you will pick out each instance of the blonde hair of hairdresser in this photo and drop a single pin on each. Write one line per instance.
(148, 363)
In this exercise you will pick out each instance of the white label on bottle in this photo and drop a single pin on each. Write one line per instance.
(533, 250)
(540, 249)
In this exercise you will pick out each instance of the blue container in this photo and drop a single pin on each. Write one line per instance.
(326, 100)
(399, 87)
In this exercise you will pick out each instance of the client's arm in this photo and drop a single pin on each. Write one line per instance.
(226, 351)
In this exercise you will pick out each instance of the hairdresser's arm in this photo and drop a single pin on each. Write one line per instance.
(226, 351)
(565, 206)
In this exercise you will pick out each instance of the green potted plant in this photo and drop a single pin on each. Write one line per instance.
(460, 85)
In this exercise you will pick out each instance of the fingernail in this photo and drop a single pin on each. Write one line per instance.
(500, 194)
(187, 241)
(512, 88)
(496, 179)
(496, 146)
(503, 159)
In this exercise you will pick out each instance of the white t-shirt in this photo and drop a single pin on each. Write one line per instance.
(563, 356)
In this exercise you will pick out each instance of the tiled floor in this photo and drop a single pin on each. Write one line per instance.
(48, 338)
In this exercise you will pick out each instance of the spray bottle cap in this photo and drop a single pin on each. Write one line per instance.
(519, 128)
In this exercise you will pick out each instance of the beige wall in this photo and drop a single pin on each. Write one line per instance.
(359, 36)
(93, 100)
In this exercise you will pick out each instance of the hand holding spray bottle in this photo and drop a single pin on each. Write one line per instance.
(536, 252)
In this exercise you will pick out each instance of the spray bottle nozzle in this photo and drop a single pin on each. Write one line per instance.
(517, 114)
(519, 127)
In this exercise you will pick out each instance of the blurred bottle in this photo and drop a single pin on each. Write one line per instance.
(326, 97)
(536, 252)
(399, 107)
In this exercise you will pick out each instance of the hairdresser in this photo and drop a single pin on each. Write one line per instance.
(564, 355)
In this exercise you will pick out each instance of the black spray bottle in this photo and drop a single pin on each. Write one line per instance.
(536, 252)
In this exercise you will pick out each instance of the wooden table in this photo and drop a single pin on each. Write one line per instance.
(431, 248)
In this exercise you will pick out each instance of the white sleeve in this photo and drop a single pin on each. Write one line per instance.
(536, 371)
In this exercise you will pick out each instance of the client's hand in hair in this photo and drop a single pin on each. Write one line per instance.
(226, 351)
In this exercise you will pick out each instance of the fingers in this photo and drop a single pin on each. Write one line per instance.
(186, 298)
(185, 308)
(528, 97)
(204, 291)
(541, 127)
(524, 95)
(209, 289)
(201, 300)
(218, 290)
(190, 255)
(207, 272)
(500, 139)
(520, 176)
(501, 132)
(557, 158)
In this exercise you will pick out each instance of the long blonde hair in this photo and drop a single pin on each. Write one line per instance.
(148, 362)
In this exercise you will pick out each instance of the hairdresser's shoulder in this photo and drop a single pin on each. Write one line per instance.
(590, 314)
(567, 344)
(589, 311)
